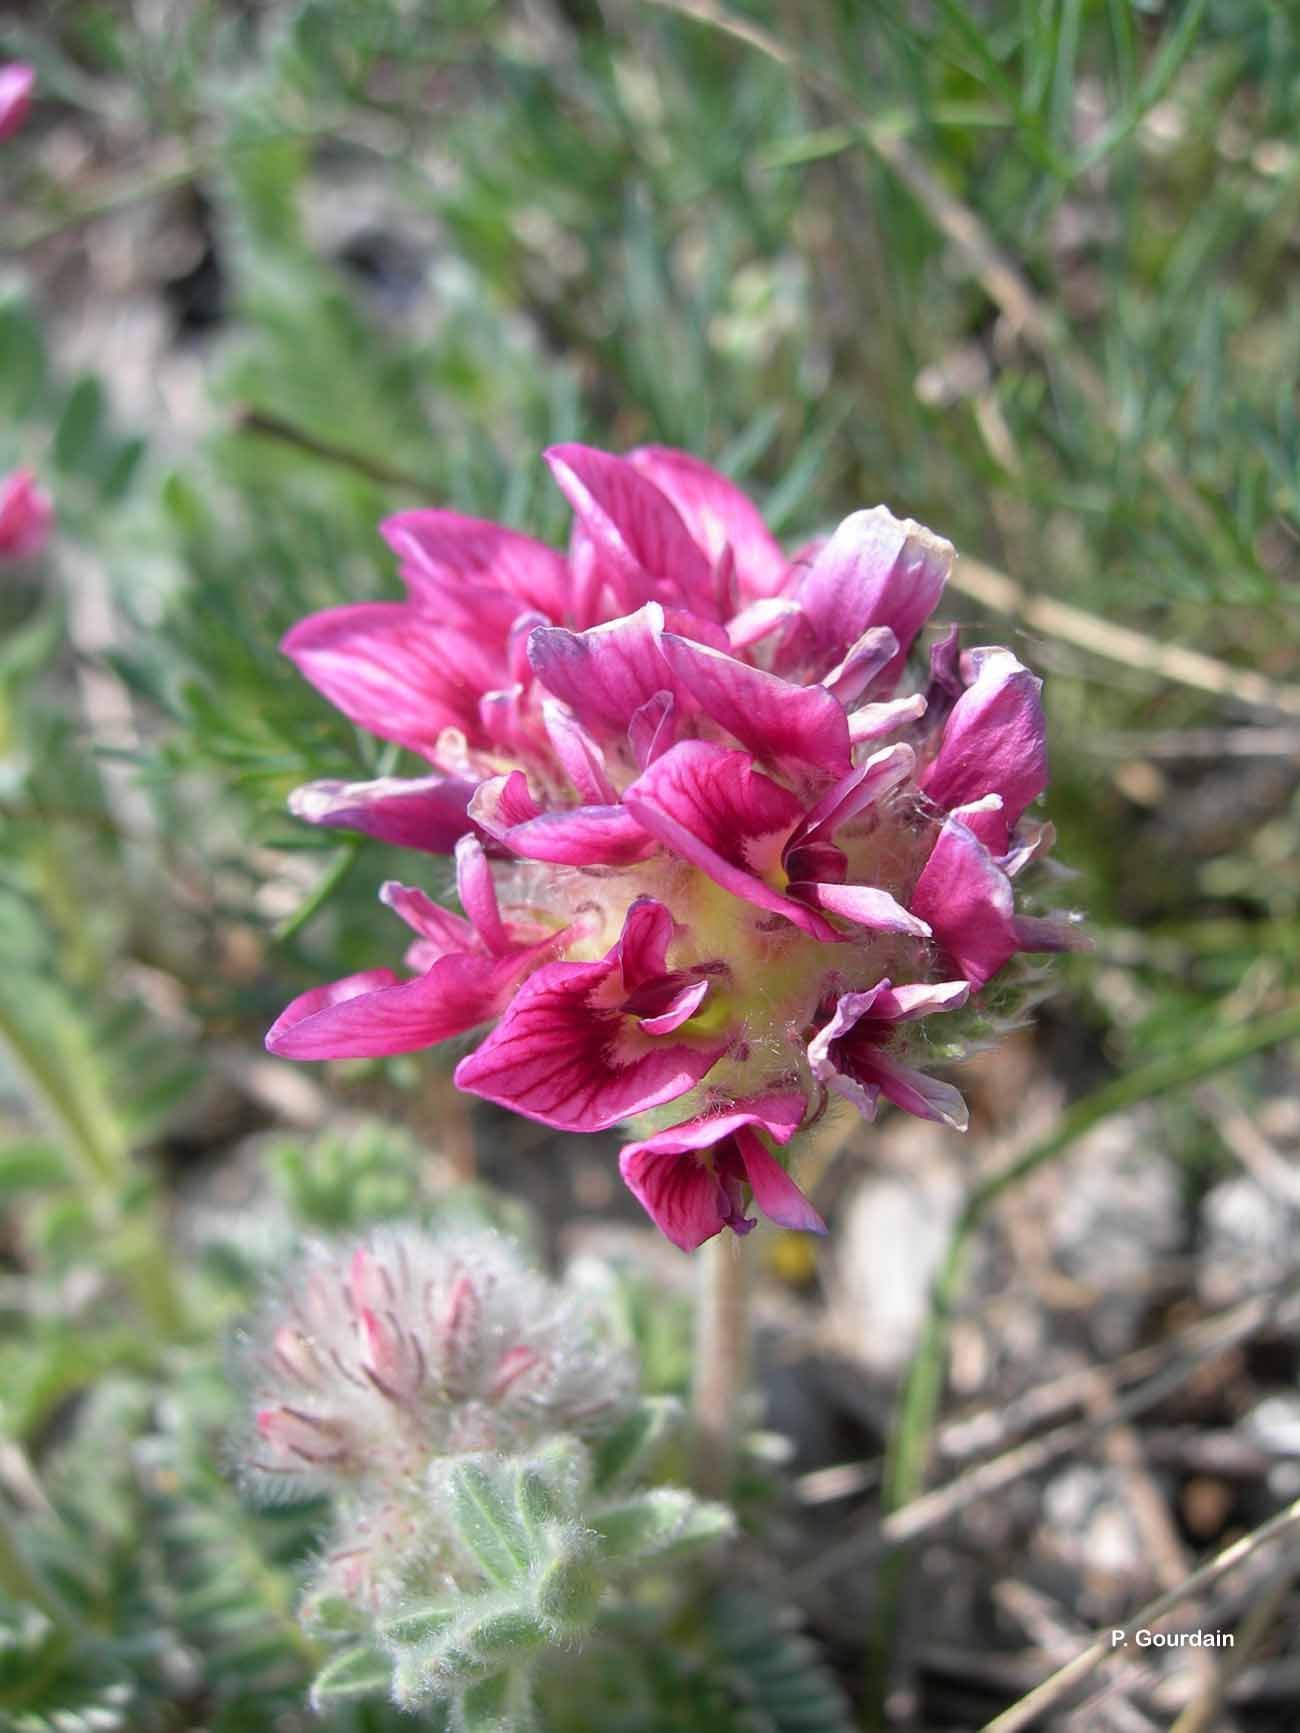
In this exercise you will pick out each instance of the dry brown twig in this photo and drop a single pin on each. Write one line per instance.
(1265, 1164)
(1057, 1635)
(1114, 1640)
(994, 590)
(1222, 1330)
(933, 1509)
(1169, 1367)
(1200, 1716)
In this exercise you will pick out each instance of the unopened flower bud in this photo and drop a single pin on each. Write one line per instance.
(379, 1358)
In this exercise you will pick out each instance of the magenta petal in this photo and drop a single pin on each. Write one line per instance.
(441, 930)
(384, 1016)
(874, 571)
(559, 1059)
(872, 653)
(855, 792)
(677, 1191)
(774, 718)
(876, 721)
(985, 819)
(780, 1115)
(642, 949)
(774, 1191)
(583, 761)
(832, 1069)
(680, 1009)
(684, 624)
(26, 511)
(17, 81)
(865, 904)
(1032, 842)
(714, 809)
(478, 895)
(652, 729)
(393, 671)
(607, 673)
(916, 1092)
(994, 741)
(1050, 933)
(718, 515)
(569, 836)
(442, 549)
(905, 1004)
(967, 899)
(642, 548)
(319, 999)
(849, 1053)
(427, 812)
(501, 802)
(671, 1175)
(509, 722)
(818, 863)
(760, 620)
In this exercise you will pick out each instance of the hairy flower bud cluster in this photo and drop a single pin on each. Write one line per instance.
(382, 1359)
(717, 856)
(484, 1453)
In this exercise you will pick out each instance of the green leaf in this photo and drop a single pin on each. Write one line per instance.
(357, 1672)
(30, 1164)
(666, 1519)
(628, 1448)
(552, 1483)
(569, 1593)
(80, 426)
(809, 147)
(55, 1055)
(119, 468)
(27, 650)
(486, 1521)
(22, 360)
(420, 1625)
(505, 1635)
(500, 1704)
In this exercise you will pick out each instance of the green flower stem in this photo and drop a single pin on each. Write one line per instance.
(265, 426)
(340, 865)
(909, 1452)
(721, 1361)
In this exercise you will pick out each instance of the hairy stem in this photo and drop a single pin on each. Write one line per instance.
(721, 1360)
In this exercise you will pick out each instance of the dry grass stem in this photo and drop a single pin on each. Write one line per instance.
(1056, 1689)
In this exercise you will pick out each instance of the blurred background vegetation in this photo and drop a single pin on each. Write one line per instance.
(1027, 273)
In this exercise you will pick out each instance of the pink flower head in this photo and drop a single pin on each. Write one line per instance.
(26, 516)
(717, 854)
(16, 81)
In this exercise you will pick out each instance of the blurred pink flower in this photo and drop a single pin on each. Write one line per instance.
(26, 516)
(711, 851)
(16, 81)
